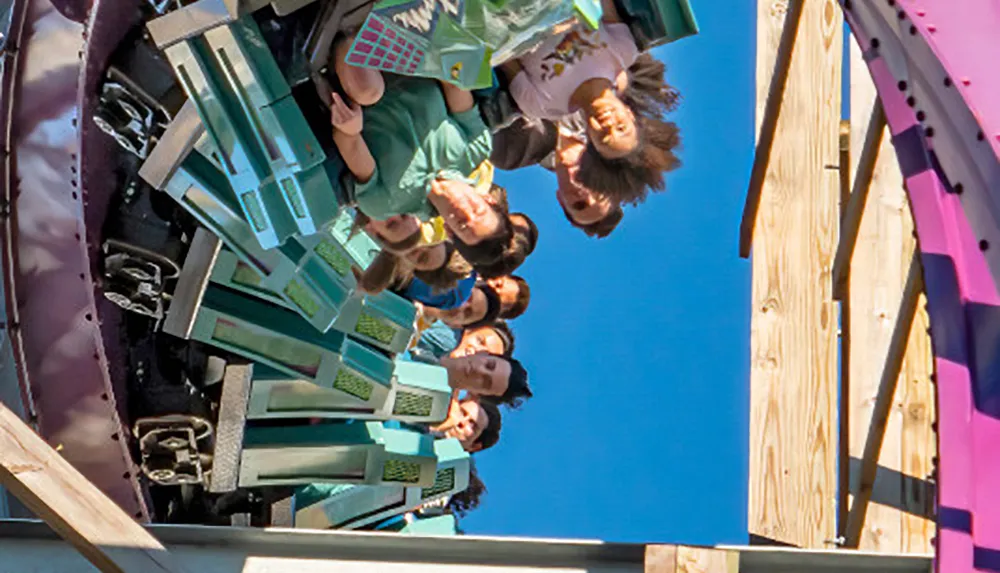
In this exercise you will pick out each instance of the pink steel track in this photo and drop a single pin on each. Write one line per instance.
(934, 63)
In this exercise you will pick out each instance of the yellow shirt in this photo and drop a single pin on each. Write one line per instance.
(483, 176)
(432, 232)
(422, 324)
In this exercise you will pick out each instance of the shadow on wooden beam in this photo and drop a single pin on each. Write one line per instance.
(899, 491)
(756, 540)
(883, 404)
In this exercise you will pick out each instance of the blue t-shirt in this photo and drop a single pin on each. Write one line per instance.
(434, 343)
(422, 292)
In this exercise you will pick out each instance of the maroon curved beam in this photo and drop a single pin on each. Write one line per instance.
(14, 382)
(59, 190)
(75, 10)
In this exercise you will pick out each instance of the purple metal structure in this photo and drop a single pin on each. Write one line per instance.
(56, 188)
(934, 64)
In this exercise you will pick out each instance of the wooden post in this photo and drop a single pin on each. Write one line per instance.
(769, 124)
(851, 222)
(682, 559)
(793, 378)
(896, 519)
(843, 413)
(72, 506)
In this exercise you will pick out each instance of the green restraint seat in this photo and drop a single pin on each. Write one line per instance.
(273, 336)
(361, 453)
(270, 156)
(418, 393)
(320, 506)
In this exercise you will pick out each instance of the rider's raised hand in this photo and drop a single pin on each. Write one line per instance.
(346, 119)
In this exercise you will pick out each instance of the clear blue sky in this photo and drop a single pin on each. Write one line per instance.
(638, 345)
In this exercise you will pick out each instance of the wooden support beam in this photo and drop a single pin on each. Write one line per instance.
(859, 198)
(769, 125)
(793, 347)
(73, 507)
(883, 403)
(843, 412)
(896, 518)
(683, 559)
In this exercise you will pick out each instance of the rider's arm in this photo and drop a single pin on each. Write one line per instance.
(457, 99)
(356, 155)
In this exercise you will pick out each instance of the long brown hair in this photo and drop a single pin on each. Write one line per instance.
(447, 276)
(629, 179)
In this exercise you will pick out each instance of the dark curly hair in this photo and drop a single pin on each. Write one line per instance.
(628, 180)
(468, 499)
(491, 434)
(520, 243)
(648, 94)
(602, 228)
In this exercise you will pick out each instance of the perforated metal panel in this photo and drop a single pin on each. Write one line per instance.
(398, 471)
(444, 481)
(353, 384)
(302, 299)
(374, 328)
(334, 257)
(410, 404)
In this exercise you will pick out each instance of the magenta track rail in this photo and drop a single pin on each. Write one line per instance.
(935, 65)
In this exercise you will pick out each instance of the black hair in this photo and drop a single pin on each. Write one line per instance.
(507, 335)
(493, 307)
(517, 386)
(602, 228)
(523, 299)
(469, 498)
(491, 433)
(520, 243)
(454, 269)
(629, 179)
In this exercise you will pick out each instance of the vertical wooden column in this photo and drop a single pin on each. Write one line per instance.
(895, 519)
(793, 419)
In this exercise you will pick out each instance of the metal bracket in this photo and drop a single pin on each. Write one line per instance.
(125, 117)
(175, 449)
